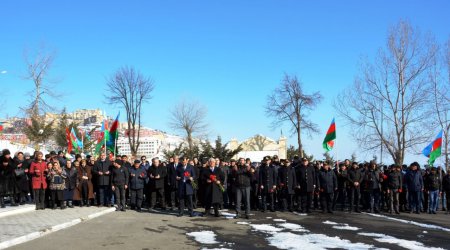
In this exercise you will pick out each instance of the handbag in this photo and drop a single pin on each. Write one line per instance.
(19, 172)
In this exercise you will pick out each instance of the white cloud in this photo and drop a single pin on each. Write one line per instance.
(3, 72)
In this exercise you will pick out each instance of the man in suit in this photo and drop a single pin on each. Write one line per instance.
(267, 182)
(101, 170)
(172, 183)
(214, 177)
(185, 175)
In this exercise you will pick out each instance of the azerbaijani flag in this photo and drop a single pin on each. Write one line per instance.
(1, 126)
(69, 141)
(74, 140)
(433, 151)
(103, 137)
(113, 134)
(328, 142)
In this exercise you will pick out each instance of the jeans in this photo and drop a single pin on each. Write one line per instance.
(104, 195)
(434, 201)
(243, 193)
(414, 200)
(374, 199)
(354, 196)
(137, 195)
(394, 196)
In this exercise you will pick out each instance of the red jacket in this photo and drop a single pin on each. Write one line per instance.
(38, 173)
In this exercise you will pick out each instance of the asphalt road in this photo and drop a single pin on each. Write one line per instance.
(132, 230)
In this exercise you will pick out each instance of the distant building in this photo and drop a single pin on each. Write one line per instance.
(259, 146)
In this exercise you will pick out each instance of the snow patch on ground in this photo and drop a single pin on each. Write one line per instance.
(204, 237)
(346, 227)
(300, 214)
(269, 218)
(313, 242)
(279, 220)
(266, 228)
(429, 226)
(294, 227)
(408, 244)
(242, 223)
(341, 226)
(228, 215)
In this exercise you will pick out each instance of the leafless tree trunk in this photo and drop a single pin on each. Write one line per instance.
(189, 117)
(38, 68)
(290, 103)
(395, 88)
(129, 87)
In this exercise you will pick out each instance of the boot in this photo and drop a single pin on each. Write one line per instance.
(81, 203)
(2, 202)
(216, 212)
(87, 203)
(70, 204)
(64, 205)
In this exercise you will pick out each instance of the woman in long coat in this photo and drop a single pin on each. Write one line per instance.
(214, 178)
(22, 181)
(85, 190)
(7, 181)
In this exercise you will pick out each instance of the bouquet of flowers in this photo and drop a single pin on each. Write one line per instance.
(187, 176)
(213, 179)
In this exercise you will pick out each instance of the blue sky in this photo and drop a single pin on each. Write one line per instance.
(227, 55)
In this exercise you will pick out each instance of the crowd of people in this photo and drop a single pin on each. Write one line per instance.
(180, 184)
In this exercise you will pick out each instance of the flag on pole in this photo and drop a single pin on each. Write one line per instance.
(103, 137)
(1, 127)
(69, 141)
(330, 137)
(113, 134)
(74, 140)
(433, 151)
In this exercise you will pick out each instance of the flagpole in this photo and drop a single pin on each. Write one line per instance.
(82, 142)
(104, 133)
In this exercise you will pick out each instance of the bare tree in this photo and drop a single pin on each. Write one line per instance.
(131, 89)
(38, 67)
(388, 105)
(441, 96)
(189, 117)
(290, 103)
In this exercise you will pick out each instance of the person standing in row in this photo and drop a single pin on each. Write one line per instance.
(306, 183)
(394, 185)
(119, 183)
(137, 182)
(287, 183)
(327, 184)
(267, 182)
(101, 171)
(185, 175)
(242, 175)
(70, 175)
(38, 171)
(157, 175)
(214, 187)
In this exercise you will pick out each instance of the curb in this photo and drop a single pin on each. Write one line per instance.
(17, 211)
(36, 235)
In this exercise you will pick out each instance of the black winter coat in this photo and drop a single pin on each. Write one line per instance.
(7, 179)
(22, 180)
(395, 180)
(137, 178)
(241, 178)
(446, 183)
(287, 181)
(213, 193)
(267, 178)
(306, 178)
(104, 167)
(172, 182)
(155, 171)
(70, 177)
(433, 182)
(354, 175)
(327, 181)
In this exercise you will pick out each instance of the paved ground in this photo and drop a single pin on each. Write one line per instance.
(131, 230)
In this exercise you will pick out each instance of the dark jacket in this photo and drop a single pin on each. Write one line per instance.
(242, 178)
(414, 181)
(137, 177)
(267, 178)
(306, 178)
(172, 182)
(327, 181)
(119, 176)
(395, 180)
(213, 193)
(7, 179)
(342, 178)
(287, 181)
(104, 167)
(354, 175)
(70, 177)
(21, 172)
(371, 179)
(155, 171)
(433, 182)
(184, 184)
(446, 183)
